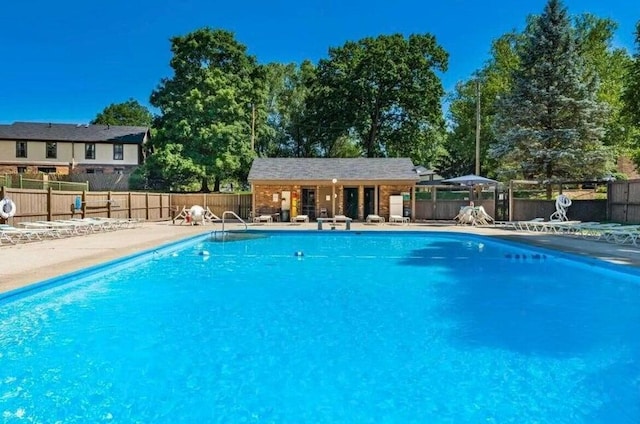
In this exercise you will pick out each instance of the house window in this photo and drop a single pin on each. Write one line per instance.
(22, 170)
(95, 171)
(52, 150)
(119, 171)
(90, 151)
(118, 151)
(47, 170)
(21, 149)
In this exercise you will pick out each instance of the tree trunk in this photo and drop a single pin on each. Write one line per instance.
(216, 184)
(205, 186)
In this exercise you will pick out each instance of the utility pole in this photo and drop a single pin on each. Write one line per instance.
(253, 127)
(477, 127)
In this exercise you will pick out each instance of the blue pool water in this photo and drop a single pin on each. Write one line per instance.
(361, 328)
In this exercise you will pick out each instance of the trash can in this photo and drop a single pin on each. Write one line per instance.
(407, 212)
(285, 215)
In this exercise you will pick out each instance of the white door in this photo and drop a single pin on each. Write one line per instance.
(395, 205)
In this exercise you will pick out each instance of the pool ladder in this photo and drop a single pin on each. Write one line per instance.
(224, 214)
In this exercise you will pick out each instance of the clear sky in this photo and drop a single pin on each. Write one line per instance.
(65, 60)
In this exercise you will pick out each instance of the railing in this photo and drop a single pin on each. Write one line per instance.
(17, 181)
(236, 216)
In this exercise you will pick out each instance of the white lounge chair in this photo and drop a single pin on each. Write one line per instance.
(398, 219)
(210, 216)
(263, 218)
(300, 218)
(373, 218)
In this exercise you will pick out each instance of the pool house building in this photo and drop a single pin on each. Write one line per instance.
(326, 187)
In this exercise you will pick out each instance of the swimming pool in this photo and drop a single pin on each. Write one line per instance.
(328, 327)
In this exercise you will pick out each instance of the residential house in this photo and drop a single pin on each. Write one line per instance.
(30, 147)
(355, 187)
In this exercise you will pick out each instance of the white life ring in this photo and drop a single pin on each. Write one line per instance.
(7, 208)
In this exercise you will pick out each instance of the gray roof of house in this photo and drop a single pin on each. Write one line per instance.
(308, 169)
(72, 132)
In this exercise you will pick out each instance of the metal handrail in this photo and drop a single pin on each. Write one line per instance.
(237, 217)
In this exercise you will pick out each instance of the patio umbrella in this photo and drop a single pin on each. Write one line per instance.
(470, 180)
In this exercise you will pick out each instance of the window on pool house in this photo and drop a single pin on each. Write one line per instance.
(90, 151)
(118, 152)
(21, 149)
(52, 150)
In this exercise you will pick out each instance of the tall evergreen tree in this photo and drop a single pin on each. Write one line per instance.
(550, 125)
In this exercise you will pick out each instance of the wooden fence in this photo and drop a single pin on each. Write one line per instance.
(216, 202)
(48, 205)
(624, 201)
(622, 205)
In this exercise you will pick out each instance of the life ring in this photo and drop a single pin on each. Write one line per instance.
(7, 208)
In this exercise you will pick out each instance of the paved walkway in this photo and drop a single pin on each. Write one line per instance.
(26, 263)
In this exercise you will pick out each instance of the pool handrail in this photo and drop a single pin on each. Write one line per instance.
(236, 216)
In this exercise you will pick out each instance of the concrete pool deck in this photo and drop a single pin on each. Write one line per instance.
(27, 263)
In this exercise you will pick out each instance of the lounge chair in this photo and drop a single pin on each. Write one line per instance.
(263, 218)
(21, 234)
(373, 218)
(300, 218)
(210, 216)
(398, 219)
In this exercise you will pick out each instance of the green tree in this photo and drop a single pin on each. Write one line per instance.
(292, 134)
(594, 37)
(128, 113)
(493, 81)
(384, 93)
(208, 106)
(631, 97)
(550, 125)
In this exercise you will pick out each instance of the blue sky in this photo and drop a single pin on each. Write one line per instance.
(64, 61)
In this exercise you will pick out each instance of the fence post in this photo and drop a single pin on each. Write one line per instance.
(49, 203)
(84, 203)
(109, 204)
(2, 195)
(146, 199)
(160, 206)
(130, 215)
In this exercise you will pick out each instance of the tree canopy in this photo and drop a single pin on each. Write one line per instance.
(128, 113)
(384, 94)
(206, 107)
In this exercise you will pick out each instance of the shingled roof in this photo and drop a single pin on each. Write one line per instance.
(314, 169)
(70, 132)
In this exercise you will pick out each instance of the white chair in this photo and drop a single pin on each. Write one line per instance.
(300, 218)
(373, 218)
(398, 219)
